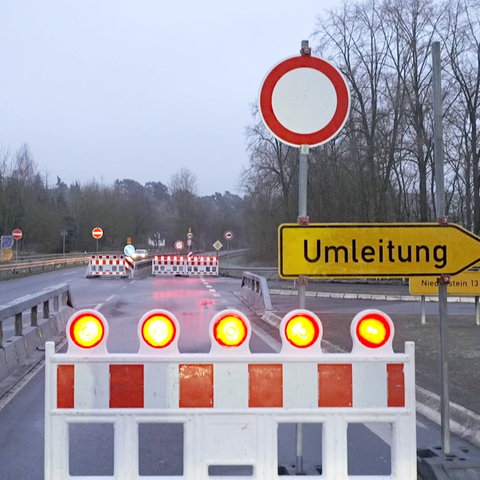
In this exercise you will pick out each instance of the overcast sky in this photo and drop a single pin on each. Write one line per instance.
(114, 89)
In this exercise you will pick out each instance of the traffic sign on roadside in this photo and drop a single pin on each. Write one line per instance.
(6, 242)
(228, 235)
(375, 250)
(6, 254)
(304, 100)
(97, 233)
(17, 234)
(465, 283)
(178, 245)
(217, 245)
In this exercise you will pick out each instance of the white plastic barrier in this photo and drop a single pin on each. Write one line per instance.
(230, 401)
(168, 265)
(106, 265)
(185, 265)
(202, 265)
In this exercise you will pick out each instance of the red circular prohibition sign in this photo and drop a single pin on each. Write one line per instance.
(327, 131)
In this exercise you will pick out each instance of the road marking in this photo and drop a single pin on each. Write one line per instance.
(263, 335)
(100, 305)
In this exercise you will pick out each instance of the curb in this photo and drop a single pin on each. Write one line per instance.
(368, 296)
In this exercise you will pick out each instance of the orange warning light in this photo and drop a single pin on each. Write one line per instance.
(230, 331)
(373, 330)
(302, 331)
(87, 330)
(158, 330)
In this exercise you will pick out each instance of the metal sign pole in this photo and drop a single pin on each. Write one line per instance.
(302, 281)
(442, 284)
(302, 210)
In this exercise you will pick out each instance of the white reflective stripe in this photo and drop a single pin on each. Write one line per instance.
(161, 385)
(370, 389)
(300, 385)
(92, 388)
(230, 385)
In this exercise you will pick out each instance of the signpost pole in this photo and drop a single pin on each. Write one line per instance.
(302, 209)
(302, 283)
(324, 103)
(442, 284)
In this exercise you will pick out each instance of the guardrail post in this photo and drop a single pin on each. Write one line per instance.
(1, 334)
(46, 309)
(55, 303)
(34, 316)
(18, 325)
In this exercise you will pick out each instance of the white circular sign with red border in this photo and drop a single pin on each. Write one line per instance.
(178, 245)
(17, 234)
(97, 233)
(304, 100)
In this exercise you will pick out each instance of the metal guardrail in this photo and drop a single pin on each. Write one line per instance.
(257, 285)
(29, 266)
(57, 295)
(271, 273)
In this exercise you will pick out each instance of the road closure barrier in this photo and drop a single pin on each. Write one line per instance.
(188, 265)
(228, 404)
(106, 265)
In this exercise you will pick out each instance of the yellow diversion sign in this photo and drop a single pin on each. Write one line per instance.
(375, 250)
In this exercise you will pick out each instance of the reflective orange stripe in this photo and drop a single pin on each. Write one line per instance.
(265, 385)
(126, 386)
(65, 386)
(196, 386)
(396, 385)
(335, 385)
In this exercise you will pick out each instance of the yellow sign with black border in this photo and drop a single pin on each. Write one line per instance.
(375, 250)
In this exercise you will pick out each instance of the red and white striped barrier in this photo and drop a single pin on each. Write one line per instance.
(107, 265)
(185, 265)
(230, 397)
(202, 265)
(168, 265)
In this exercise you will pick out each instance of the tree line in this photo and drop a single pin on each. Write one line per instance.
(379, 168)
(148, 215)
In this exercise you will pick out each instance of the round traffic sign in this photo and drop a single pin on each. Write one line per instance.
(304, 100)
(178, 245)
(129, 250)
(97, 233)
(17, 234)
(228, 235)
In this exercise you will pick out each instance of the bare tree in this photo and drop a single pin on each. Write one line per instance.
(463, 46)
(272, 162)
(184, 206)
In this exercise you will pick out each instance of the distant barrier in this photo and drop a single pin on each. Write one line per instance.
(106, 265)
(185, 265)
